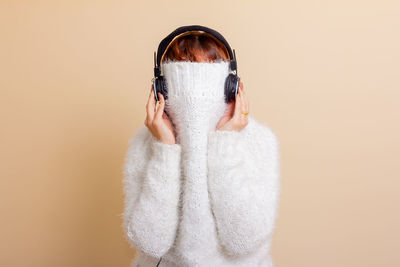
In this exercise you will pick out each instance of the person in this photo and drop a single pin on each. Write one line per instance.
(201, 176)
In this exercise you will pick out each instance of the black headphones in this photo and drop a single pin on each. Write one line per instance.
(159, 83)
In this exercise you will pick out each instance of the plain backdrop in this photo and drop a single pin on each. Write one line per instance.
(75, 77)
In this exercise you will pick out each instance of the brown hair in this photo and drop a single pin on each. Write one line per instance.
(194, 47)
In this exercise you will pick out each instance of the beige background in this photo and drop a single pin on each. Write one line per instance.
(74, 79)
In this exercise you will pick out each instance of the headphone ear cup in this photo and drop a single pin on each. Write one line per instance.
(162, 86)
(230, 87)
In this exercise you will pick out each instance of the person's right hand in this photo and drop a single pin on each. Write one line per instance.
(157, 120)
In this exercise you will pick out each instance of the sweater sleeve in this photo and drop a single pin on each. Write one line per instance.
(243, 179)
(152, 189)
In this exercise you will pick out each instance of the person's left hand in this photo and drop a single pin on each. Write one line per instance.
(234, 119)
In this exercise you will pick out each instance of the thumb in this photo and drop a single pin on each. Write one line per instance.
(231, 108)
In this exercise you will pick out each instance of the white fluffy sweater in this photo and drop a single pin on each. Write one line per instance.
(228, 221)
(210, 199)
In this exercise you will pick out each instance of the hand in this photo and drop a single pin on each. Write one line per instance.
(157, 120)
(234, 119)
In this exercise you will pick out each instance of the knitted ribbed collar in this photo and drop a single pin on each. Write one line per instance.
(195, 98)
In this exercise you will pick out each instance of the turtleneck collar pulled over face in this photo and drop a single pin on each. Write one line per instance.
(196, 100)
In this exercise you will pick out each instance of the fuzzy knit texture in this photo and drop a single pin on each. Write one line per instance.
(212, 198)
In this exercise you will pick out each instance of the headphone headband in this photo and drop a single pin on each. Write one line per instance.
(186, 30)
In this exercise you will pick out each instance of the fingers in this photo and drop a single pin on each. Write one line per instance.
(150, 106)
(238, 102)
(160, 109)
(242, 99)
(241, 106)
(245, 102)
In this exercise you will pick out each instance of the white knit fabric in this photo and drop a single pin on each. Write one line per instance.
(212, 198)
